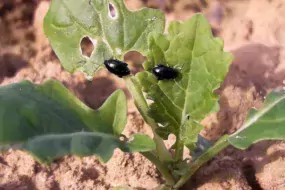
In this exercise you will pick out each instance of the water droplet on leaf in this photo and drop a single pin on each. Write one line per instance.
(89, 78)
(151, 19)
(240, 137)
(160, 125)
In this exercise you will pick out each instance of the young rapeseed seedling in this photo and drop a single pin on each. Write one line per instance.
(182, 70)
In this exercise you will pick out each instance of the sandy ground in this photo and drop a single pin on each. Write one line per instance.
(253, 31)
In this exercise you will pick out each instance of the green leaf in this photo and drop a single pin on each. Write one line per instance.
(48, 121)
(46, 148)
(189, 132)
(68, 21)
(38, 103)
(180, 104)
(268, 123)
(112, 113)
(140, 143)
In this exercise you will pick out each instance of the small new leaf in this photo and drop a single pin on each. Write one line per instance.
(189, 132)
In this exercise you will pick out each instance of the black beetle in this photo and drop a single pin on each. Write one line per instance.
(163, 72)
(117, 67)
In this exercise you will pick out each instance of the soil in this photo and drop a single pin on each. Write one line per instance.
(252, 31)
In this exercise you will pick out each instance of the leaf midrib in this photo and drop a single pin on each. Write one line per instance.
(183, 116)
(258, 115)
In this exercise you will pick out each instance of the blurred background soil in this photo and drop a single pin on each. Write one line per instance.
(253, 30)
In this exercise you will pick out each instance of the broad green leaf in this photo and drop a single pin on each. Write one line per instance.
(46, 148)
(180, 104)
(48, 108)
(68, 21)
(268, 123)
(48, 121)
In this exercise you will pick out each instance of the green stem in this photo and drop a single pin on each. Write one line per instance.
(143, 108)
(161, 168)
(179, 144)
(205, 157)
(178, 149)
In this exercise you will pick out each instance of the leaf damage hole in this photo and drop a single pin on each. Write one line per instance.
(87, 46)
(112, 11)
(137, 59)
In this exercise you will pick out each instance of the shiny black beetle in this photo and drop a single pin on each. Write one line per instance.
(163, 72)
(117, 67)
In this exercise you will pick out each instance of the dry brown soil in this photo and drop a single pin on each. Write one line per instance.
(253, 31)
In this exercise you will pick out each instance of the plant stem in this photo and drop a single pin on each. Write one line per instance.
(161, 168)
(143, 108)
(205, 157)
(178, 149)
(179, 145)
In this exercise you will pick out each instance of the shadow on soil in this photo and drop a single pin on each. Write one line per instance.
(254, 72)
(23, 183)
(10, 64)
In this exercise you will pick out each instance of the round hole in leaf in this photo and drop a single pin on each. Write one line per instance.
(112, 11)
(87, 46)
(135, 60)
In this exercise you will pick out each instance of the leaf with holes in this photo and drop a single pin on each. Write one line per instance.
(48, 121)
(180, 104)
(113, 29)
(268, 123)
